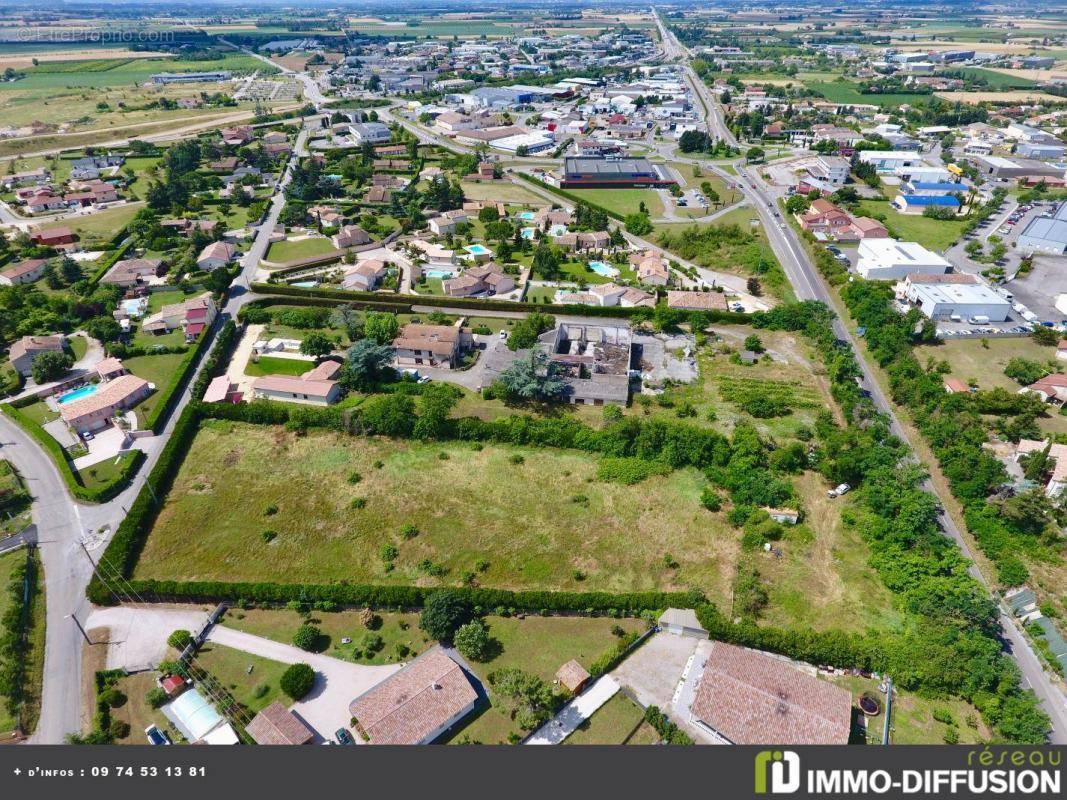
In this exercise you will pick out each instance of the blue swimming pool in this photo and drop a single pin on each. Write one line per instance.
(527, 215)
(600, 268)
(477, 249)
(528, 233)
(306, 284)
(438, 273)
(77, 394)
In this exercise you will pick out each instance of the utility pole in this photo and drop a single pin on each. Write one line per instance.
(888, 709)
(80, 628)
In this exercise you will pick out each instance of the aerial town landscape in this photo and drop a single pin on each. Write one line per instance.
(542, 374)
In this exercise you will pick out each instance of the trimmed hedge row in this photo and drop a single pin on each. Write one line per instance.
(373, 596)
(178, 380)
(217, 359)
(65, 466)
(344, 296)
(110, 259)
(14, 634)
(319, 302)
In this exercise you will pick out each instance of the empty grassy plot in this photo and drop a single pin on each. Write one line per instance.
(622, 201)
(500, 191)
(295, 249)
(935, 234)
(821, 579)
(519, 518)
(849, 92)
(538, 646)
(761, 397)
(269, 365)
(618, 721)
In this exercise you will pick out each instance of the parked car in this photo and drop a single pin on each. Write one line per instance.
(343, 736)
(156, 736)
(837, 491)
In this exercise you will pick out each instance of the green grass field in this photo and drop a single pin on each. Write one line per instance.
(935, 234)
(622, 201)
(267, 365)
(998, 80)
(573, 532)
(96, 229)
(157, 370)
(848, 92)
(282, 252)
(123, 71)
(618, 721)
(9, 562)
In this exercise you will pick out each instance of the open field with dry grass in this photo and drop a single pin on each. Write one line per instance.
(1015, 96)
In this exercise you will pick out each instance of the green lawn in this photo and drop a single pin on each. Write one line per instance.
(540, 646)
(244, 675)
(39, 412)
(618, 721)
(97, 228)
(848, 92)
(573, 532)
(104, 473)
(282, 252)
(269, 365)
(78, 346)
(935, 234)
(402, 639)
(15, 510)
(622, 201)
(157, 370)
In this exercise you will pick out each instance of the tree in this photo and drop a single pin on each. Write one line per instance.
(473, 640)
(389, 415)
(525, 332)
(754, 343)
(308, 637)
(365, 364)
(50, 365)
(546, 261)
(1024, 371)
(297, 680)
(445, 611)
(754, 154)
(180, 639)
(381, 326)
(530, 378)
(797, 204)
(435, 408)
(531, 700)
(638, 224)
(316, 343)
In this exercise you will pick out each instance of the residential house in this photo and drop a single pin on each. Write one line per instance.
(23, 351)
(215, 256)
(1057, 452)
(585, 241)
(651, 268)
(379, 194)
(276, 724)
(237, 136)
(110, 368)
(308, 389)
(365, 276)
(1051, 388)
(26, 178)
(41, 199)
(94, 411)
(27, 271)
(439, 346)
(54, 237)
(446, 222)
(696, 301)
(486, 279)
(350, 236)
(867, 228)
(192, 316)
(826, 220)
(747, 697)
(130, 272)
(416, 704)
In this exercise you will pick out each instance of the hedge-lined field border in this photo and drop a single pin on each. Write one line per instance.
(564, 194)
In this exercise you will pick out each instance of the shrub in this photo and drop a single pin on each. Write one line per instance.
(297, 680)
(355, 477)
(180, 639)
(113, 697)
(156, 697)
(473, 640)
(358, 503)
(271, 510)
(409, 531)
(308, 637)
(710, 499)
(118, 729)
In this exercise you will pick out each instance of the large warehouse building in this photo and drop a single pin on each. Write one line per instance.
(956, 294)
(619, 173)
(1045, 235)
(888, 260)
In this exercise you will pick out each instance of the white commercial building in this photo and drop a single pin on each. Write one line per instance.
(891, 160)
(888, 259)
(926, 174)
(965, 300)
(533, 142)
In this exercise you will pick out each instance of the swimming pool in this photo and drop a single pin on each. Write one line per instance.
(600, 268)
(528, 233)
(527, 215)
(477, 250)
(77, 394)
(438, 273)
(305, 284)
(557, 230)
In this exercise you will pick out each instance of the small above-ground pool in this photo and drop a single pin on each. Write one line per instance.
(600, 268)
(438, 273)
(527, 215)
(305, 284)
(478, 250)
(77, 394)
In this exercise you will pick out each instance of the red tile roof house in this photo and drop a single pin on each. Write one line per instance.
(748, 697)
(350, 236)
(696, 301)
(365, 275)
(823, 217)
(276, 724)
(316, 387)
(53, 237)
(94, 412)
(488, 279)
(25, 350)
(417, 704)
(1051, 388)
(215, 255)
(431, 345)
(23, 272)
(867, 228)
